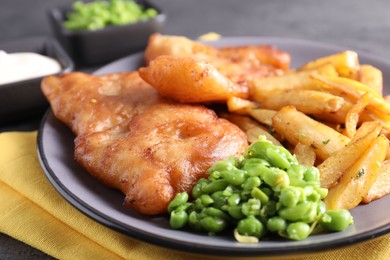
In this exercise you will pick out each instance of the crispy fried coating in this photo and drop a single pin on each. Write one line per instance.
(88, 103)
(132, 139)
(177, 46)
(190, 80)
(158, 153)
(206, 73)
(249, 56)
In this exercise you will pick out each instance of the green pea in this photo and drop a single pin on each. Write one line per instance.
(263, 171)
(258, 149)
(214, 212)
(290, 196)
(298, 212)
(219, 199)
(321, 208)
(194, 220)
(150, 12)
(253, 166)
(179, 199)
(269, 209)
(295, 174)
(235, 212)
(277, 159)
(323, 192)
(245, 195)
(213, 186)
(291, 158)
(252, 162)
(314, 196)
(225, 165)
(234, 176)
(276, 179)
(185, 207)
(298, 231)
(234, 199)
(336, 220)
(307, 190)
(198, 205)
(197, 189)
(178, 219)
(311, 213)
(229, 190)
(312, 174)
(206, 199)
(251, 183)
(212, 224)
(276, 224)
(251, 207)
(251, 226)
(215, 175)
(260, 195)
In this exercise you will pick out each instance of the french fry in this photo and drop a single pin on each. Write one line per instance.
(342, 85)
(337, 117)
(251, 128)
(306, 101)
(337, 164)
(239, 105)
(346, 63)
(243, 122)
(261, 88)
(305, 154)
(297, 127)
(358, 179)
(381, 186)
(372, 77)
(355, 90)
(263, 116)
(254, 133)
(343, 94)
(352, 117)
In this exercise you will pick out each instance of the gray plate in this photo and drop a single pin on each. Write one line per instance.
(55, 147)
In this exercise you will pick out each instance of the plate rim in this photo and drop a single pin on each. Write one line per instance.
(183, 246)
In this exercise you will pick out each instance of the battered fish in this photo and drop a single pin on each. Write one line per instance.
(158, 153)
(180, 46)
(192, 72)
(88, 103)
(132, 139)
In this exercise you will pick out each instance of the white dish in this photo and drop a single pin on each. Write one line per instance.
(55, 147)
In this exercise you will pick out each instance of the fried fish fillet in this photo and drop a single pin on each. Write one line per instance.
(158, 153)
(180, 46)
(88, 103)
(132, 139)
(206, 73)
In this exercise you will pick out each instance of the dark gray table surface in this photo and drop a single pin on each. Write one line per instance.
(356, 24)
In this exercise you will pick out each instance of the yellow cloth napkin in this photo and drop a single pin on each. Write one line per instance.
(32, 211)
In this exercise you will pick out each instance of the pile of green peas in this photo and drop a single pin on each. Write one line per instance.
(99, 14)
(264, 192)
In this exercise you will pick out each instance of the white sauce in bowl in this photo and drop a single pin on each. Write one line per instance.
(25, 65)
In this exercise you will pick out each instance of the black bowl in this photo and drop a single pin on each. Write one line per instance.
(108, 44)
(24, 98)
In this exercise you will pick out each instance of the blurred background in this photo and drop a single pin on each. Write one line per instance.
(350, 23)
(354, 24)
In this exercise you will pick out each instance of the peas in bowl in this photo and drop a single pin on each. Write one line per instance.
(97, 32)
(100, 14)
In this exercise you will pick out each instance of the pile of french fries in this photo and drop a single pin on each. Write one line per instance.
(330, 113)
